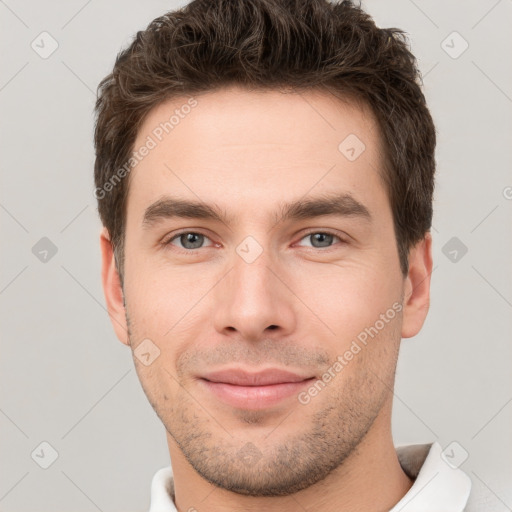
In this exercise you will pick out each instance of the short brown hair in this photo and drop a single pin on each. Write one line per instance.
(272, 44)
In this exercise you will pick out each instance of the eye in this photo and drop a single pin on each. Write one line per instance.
(188, 240)
(321, 239)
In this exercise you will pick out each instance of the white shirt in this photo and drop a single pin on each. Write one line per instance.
(438, 487)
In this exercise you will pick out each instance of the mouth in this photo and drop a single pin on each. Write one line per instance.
(254, 391)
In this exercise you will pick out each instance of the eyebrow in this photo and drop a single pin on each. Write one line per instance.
(342, 205)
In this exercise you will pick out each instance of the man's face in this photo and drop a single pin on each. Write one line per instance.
(260, 290)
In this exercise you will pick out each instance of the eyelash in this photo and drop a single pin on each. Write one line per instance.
(193, 251)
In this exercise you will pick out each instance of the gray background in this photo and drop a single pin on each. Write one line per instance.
(65, 378)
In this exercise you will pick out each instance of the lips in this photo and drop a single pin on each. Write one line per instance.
(253, 391)
(267, 377)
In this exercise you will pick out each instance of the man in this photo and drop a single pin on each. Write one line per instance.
(264, 174)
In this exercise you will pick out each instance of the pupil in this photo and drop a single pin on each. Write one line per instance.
(189, 238)
(319, 236)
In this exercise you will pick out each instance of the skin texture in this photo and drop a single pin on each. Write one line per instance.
(298, 306)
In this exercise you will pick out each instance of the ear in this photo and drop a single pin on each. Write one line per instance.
(417, 287)
(112, 288)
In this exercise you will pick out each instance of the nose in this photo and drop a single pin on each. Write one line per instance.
(254, 302)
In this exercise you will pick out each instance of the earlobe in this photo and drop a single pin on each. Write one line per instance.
(417, 287)
(112, 288)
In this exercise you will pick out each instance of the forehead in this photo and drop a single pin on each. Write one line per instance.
(266, 116)
(262, 146)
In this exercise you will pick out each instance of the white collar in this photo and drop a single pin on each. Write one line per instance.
(162, 491)
(437, 486)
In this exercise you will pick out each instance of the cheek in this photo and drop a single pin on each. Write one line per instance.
(166, 309)
(348, 298)
(159, 298)
(156, 342)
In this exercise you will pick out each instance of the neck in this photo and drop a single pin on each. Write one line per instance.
(370, 479)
